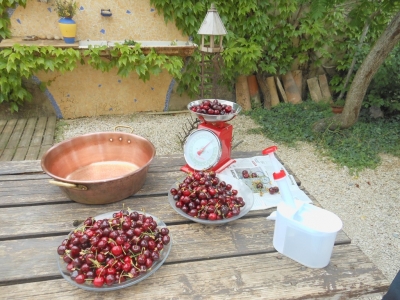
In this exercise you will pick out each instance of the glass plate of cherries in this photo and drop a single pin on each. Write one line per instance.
(114, 250)
(211, 199)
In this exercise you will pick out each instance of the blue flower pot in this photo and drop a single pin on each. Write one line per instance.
(68, 29)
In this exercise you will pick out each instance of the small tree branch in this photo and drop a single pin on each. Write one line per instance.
(362, 38)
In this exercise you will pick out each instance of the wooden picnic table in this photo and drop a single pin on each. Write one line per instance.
(236, 260)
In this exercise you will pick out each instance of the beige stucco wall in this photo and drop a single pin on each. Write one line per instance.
(131, 19)
(88, 92)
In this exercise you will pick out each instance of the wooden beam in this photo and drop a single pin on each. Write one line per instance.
(268, 276)
(324, 86)
(298, 79)
(281, 90)
(292, 92)
(243, 93)
(315, 91)
(274, 93)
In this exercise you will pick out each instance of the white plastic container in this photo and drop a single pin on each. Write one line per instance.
(306, 234)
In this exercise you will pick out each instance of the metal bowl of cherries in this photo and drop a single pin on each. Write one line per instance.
(214, 110)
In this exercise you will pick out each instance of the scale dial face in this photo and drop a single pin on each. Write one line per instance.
(202, 149)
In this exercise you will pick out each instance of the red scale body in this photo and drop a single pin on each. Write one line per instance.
(224, 132)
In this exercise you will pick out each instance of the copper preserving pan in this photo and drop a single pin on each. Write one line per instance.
(99, 168)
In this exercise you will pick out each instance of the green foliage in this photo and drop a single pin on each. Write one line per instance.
(131, 58)
(241, 56)
(339, 103)
(66, 8)
(288, 123)
(357, 147)
(384, 90)
(129, 42)
(377, 15)
(4, 19)
(271, 36)
(21, 62)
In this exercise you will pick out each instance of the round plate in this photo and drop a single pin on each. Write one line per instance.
(243, 191)
(216, 118)
(89, 287)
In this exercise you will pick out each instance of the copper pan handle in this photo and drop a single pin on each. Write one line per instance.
(123, 126)
(69, 185)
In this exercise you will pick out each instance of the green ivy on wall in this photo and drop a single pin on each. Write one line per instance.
(22, 62)
(128, 59)
(266, 37)
(4, 18)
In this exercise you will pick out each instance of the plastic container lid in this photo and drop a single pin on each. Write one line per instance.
(279, 175)
(269, 150)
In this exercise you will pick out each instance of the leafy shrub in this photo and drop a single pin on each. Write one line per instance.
(357, 147)
(384, 90)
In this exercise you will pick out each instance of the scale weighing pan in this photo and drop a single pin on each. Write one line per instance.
(215, 118)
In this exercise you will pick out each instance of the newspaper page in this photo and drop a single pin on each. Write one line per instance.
(260, 179)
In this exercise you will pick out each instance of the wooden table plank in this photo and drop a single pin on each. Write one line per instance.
(34, 190)
(6, 134)
(32, 153)
(43, 149)
(16, 134)
(191, 242)
(38, 190)
(7, 154)
(34, 147)
(22, 190)
(263, 276)
(19, 167)
(48, 137)
(12, 144)
(25, 139)
(159, 164)
(59, 218)
(2, 125)
(28, 132)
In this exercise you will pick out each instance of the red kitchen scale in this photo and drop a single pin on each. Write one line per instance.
(209, 146)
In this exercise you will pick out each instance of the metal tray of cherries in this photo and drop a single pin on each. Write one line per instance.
(214, 110)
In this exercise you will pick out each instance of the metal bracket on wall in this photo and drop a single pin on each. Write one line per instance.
(106, 12)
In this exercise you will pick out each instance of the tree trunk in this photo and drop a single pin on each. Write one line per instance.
(381, 49)
(360, 43)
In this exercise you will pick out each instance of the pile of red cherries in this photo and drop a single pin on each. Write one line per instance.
(203, 195)
(212, 107)
(111, 251)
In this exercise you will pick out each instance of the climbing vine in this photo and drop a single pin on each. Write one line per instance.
(267, 37)
(4, 18)
(270, 37)
(22, 62)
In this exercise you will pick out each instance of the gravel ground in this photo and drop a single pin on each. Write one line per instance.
(368, 204)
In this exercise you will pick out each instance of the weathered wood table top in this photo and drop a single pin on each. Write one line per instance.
(236, 260)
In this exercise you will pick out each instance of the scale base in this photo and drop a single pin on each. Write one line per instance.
(217, 169)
